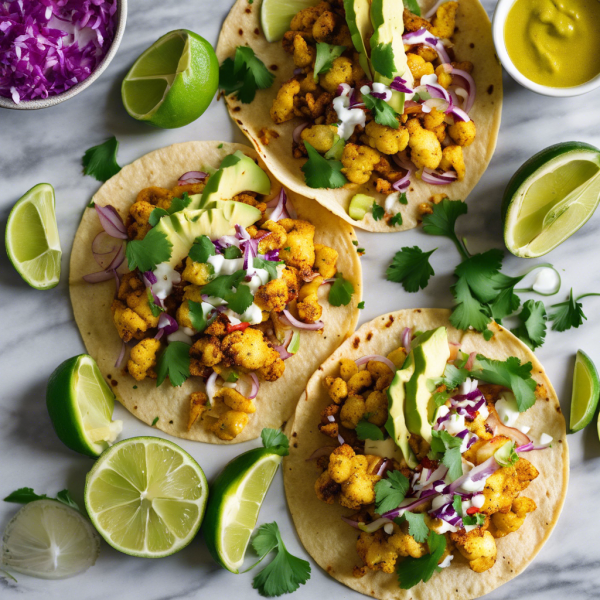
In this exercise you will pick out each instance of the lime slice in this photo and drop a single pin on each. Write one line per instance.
(146, 497)
(81, 404)
(172, 83)
(49, 540)
(276, 16)
(586, 391)
(32, 242)
(359, 206)
(235, 501)
(550, 197)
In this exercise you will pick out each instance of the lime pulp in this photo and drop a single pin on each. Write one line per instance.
(276, 16)
(586, 391)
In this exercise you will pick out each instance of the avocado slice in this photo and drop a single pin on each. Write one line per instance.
(388, 57)
(358, 19)
(237, 173)
(183, 227)
(430, 354)
(396, 423)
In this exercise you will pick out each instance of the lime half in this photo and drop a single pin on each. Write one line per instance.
(146, 497)
(276, 16)
(49, 540)
(32, 242)
(172, 83)
(550, 197)
(81, 404)
(586, 391)
(235, 501)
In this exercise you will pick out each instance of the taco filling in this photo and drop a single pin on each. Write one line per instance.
(222, 283)
(382, 93)
(429, 456)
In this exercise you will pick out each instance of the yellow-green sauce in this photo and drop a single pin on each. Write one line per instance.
(555, 42)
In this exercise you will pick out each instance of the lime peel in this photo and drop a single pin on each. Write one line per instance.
(586, 391)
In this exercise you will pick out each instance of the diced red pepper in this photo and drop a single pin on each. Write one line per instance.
(238, 327)
(472, 510)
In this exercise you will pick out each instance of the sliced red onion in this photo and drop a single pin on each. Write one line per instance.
(459, 113)
(121, 355)
(530, 446)
(435, 178)
(377, 358)
(298, 130)
(406, 338)
(323, 451)
(249, 255)
(280, 210)
(241, 233)
(343, 89)
(104, 248)
(470, 361)
(298, 71)
(400, 85)
(211, 387)
(192, 177)
(300, 325)
(168, 323)
(282, 349)
(470, 85)
(378, 95)
(383, 468)
(149, 278)
(255, 386)
(98, 277)
(159, 334)
(111, 221)
(117, 261)
(406, 505)
(482, 471)
(499, 428)
(403, 183)
(422, 36)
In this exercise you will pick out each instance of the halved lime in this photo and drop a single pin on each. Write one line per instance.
(172, 83)
(550, 197)
(586, 391)
(80, 404)
(235, 500)
(276, 16)
(32, 241)
(146, 497)
(49, 540)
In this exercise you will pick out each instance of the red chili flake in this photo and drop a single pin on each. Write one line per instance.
(472, 510)
(238, 327)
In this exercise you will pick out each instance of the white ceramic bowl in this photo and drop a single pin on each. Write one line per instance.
(502, 9)
(58, 98)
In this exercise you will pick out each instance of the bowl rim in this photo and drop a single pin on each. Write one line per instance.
(82, 85)
(498, 20)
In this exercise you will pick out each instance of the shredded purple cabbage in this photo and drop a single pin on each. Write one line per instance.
(48, 46)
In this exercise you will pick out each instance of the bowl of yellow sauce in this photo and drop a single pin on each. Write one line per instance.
(551, 47)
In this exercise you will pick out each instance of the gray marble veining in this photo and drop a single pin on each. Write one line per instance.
(38, 331)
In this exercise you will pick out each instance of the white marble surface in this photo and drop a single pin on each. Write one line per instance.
(38, 331)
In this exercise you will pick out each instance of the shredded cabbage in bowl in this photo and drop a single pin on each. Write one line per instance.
(48, 46)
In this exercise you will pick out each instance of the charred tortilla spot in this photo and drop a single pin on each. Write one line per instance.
(369, 336)
(248, 10)
(273, 67)
(490, 90)
(355, 342)
(238, 121)
(471, 45)
(236, 108)
(114, 383)
(241, 31)
(390, 321)
(257, 31)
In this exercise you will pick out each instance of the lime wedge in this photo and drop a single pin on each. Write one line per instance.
(172, 83)
(146, 497)
(49, 540)
(235, 501)
(586, 391)
(32, 242)
(80, 404)
(359, 206)
(550, 197)
(276, 16)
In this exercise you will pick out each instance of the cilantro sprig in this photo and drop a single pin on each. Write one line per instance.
(202, 249)
(276, 441)
(390, 492)
(411, 268)
(382, 112)
(25, 495)
(326, 54)
(100, 162)
(443, 222)
(320, 172)
(378, 211)
(145, 254)
(568, 314)
(341, 291)
(368, 431)
(411, 570)
(244, 75)
(270, 266)
(229, 288)
(416, 525)
(177, 204)
(532, 328)
(447, 447)
(174, 363)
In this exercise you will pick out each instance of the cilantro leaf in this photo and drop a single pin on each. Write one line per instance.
(155, 309)
(402, 198)
(395, 220)
(568, 314)
(285, 573)
(477, 519)
(145, 254)
(382, 112)
(413, 7)
(276, 441)
(457, 505)
(268, 265)
(337, 149)
(326, 54)
(202, 249)
(366, 430)
(223, 287)
(177, 204)
(452, 378)
(240, 300)
(448, 446)
(174, 362)
(390, 492)
(361, 304)
(154, 422)
(411, 570)
(100, 162)
(320, 172)
(452, 459)
(511, 374)
(382, 59)
(479, 272)
(26, 495)
(506, 455)
(197, 317)
(469, 312)
(244, 75)
(532, 329)
(505, 304)
(443, 221)
(341, 291)
(416, 526)
(411, 268)
(378, 211)
(232, 252)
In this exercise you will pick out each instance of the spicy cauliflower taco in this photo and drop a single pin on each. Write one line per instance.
(425, 458)
(376, 109)
(217, 294)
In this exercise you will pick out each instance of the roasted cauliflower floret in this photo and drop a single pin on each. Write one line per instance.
(413, 22)
(207, 350)
(128, 323)
(358, 489)
(452, 159)
(375, 551)
(290, 276)
(156, 196)
(359, 382)
(444, 78)
(386, 139)
(348, 368)
(139, 302)
(444, 20)
(129, 283)
(433, 119)
(230, 424)
(359, 162)
(198, 402)
(352, 411)
(197, 273)
(283, 104)
(397, 356)
(342, 463)
(340, 72)
(338, 389)
(324, 26)
(505, 523)
(309, 309)
(141, 211)
(326, 488)
(426, 150)
(478, 547)
(305, 19)
(276, 239)
(320, 137)
(462, 132)
(376, 405)
(418, 66)
(405, 544)
(248, 349)
(300, 241)
(273, 371)
(272, 296)
(505, 484)
(236, 401)
(325, 260)
(183, 315)
(304, 55)
(142, 359)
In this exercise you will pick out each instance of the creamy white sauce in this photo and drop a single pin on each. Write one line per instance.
(252, 315)
(545, 439)
(378, 88)
(166, 276)
(348, 118)
(547, 281)
(180, 336)
(390, 203)
(225, 266)
(507, 409)
(260, 277)
(478, 500)
(446, 562)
